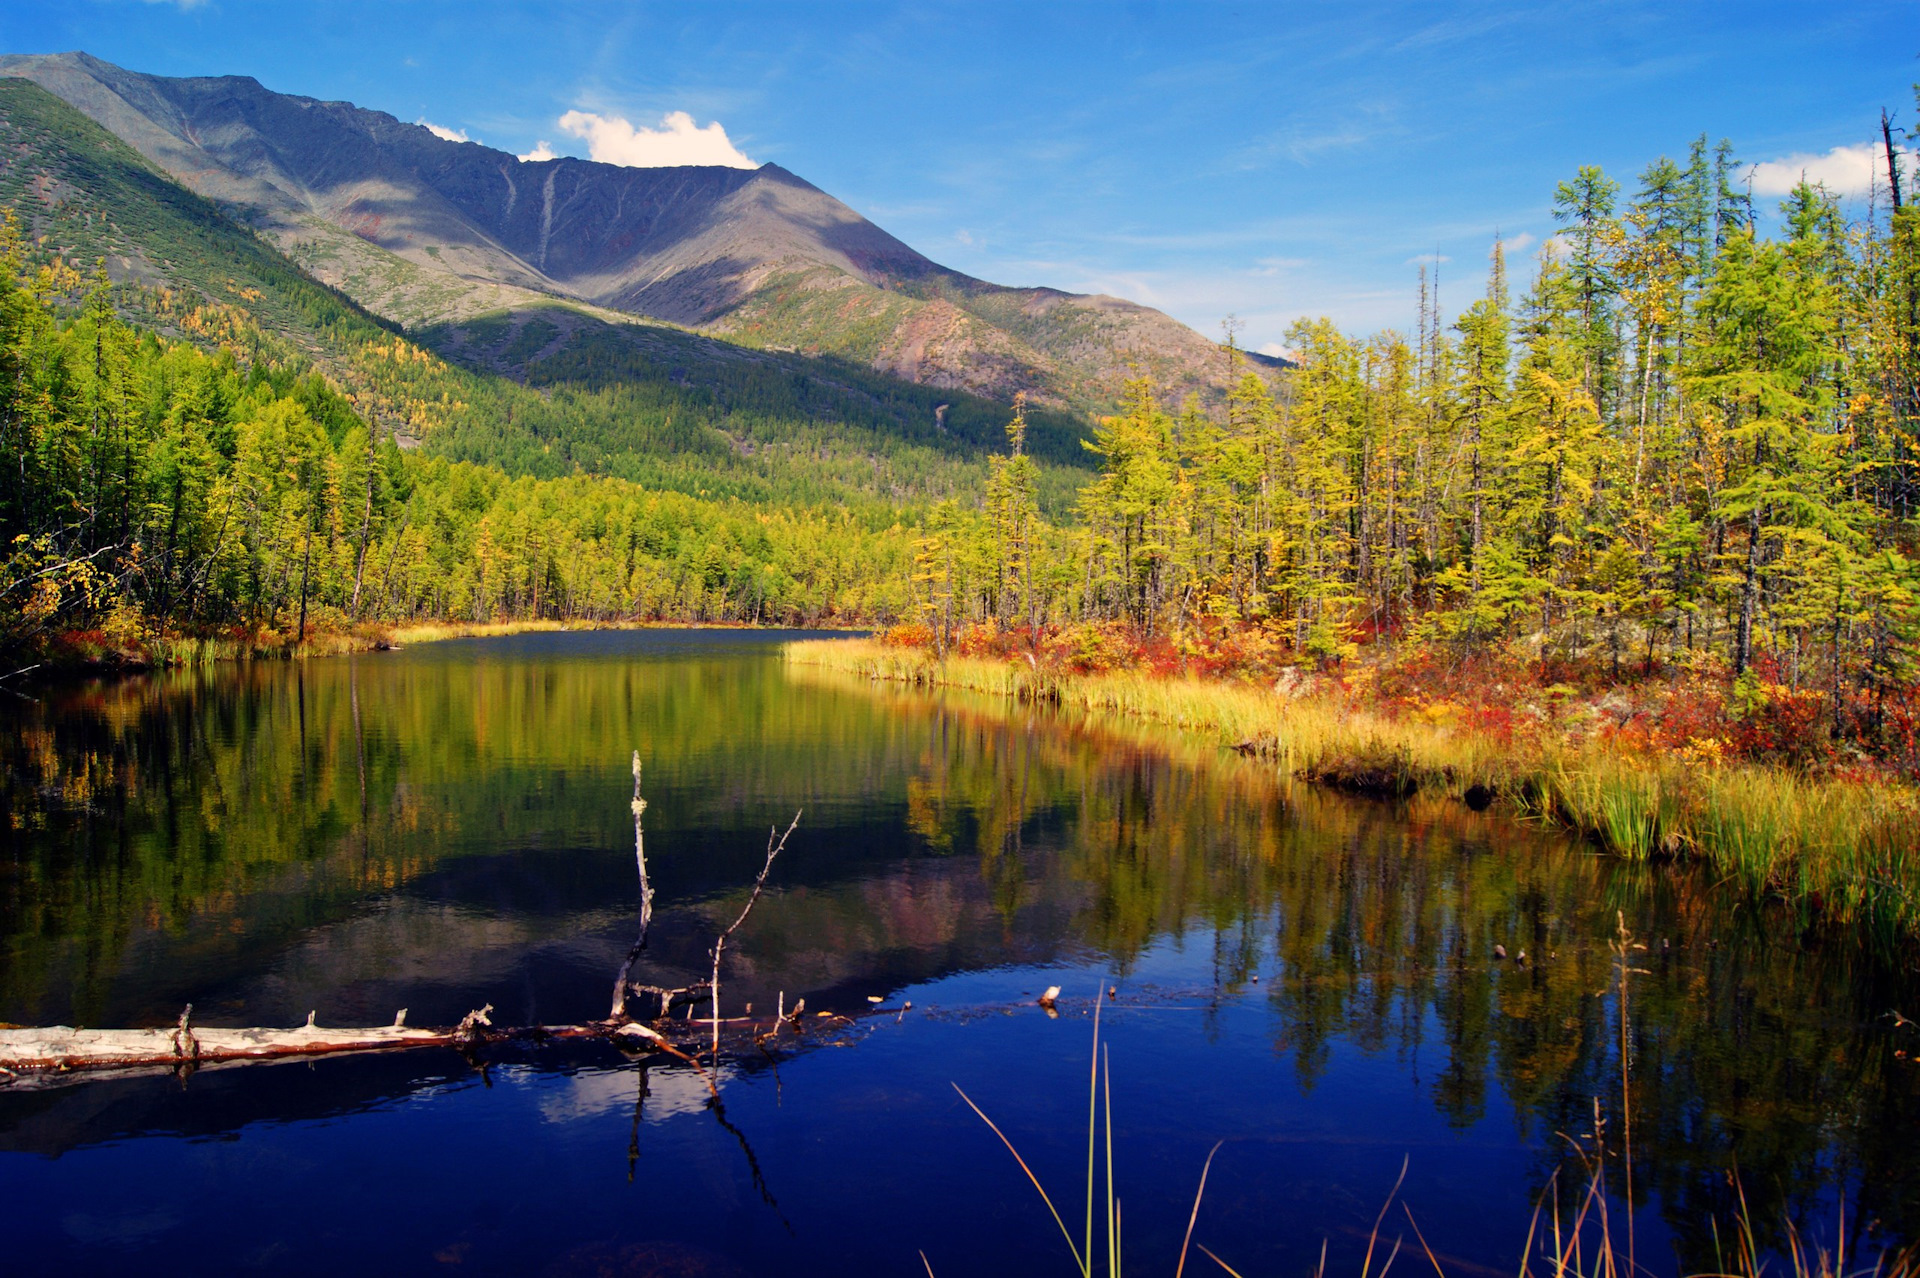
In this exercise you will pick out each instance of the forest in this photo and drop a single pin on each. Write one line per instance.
(1685, 443)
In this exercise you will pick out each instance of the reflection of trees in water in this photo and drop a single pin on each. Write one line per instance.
(223, 812)
(228, 813)
(1753, 1046)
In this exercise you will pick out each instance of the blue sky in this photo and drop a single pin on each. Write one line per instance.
(1263, 160)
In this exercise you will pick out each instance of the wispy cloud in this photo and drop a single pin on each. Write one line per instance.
(612, 139)
(1844, 170)
(1270, 266)
(446, 134)
(1455, 30)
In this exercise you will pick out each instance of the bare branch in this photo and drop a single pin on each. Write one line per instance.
(774, 848)
(621, 982)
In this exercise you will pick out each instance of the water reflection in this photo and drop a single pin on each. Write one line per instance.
(446, 826)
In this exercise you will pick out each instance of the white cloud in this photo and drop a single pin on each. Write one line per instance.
(966, 237)
(612, 140)
(541, 151)
(445, 134)
(1424, 259)
(1520, 243)
(1845, 170)
(1278, 351)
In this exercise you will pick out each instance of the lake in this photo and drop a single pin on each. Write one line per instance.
(1308, 979)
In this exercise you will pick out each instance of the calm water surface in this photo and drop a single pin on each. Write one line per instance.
(1308, 978)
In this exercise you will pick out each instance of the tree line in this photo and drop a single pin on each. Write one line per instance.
(1685, 436)
(1688, 435)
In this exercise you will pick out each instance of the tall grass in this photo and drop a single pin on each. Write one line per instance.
(432, 631)
(1845, 849)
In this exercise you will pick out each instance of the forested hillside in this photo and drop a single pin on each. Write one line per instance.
(216, 443)
(161, 490)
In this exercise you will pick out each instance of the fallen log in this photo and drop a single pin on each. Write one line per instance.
(62, 1048)
(40, 1055)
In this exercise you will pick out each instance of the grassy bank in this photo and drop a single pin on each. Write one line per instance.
(137, 650)
(1839, 848)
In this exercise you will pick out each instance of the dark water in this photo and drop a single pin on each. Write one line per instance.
(1309, 979)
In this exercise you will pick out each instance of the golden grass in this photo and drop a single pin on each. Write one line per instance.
(1845, 849)
(434, 631)
(191, 650)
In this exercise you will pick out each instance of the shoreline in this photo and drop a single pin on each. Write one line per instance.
(1839, 849)
(70, 656)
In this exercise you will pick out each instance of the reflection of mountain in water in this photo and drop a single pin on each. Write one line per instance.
(215, 1102)
(436, 828)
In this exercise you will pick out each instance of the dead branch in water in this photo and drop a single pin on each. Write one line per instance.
(622, 987)
(774, 848)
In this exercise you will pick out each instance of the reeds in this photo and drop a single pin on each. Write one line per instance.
(1846, 848)
(1575, 1240)
(1099, 1121)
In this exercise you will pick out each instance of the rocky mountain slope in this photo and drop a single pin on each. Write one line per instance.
(432, 234)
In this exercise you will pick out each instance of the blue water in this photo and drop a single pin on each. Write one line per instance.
(1306, 980)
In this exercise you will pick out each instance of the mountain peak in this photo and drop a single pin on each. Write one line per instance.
(425, 230)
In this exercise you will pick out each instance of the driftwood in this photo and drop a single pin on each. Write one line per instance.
(61, 1049)
(651, 1002)
(59, 1054)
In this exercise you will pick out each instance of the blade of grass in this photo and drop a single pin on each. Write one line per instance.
(1205, 1167)
(1236, 1273)
(1432, 1259)
(1030, 1176)
(1374, 1237)
(1093, 1096)
(1113, 1223)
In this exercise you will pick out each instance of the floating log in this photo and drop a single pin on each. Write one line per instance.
(56, 1054)
(58, 1047)
(61, 1048)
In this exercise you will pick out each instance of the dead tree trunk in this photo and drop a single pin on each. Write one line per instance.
(61, 1049)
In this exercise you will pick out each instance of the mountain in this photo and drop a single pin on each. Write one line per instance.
(434, 234)
(593, 392)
